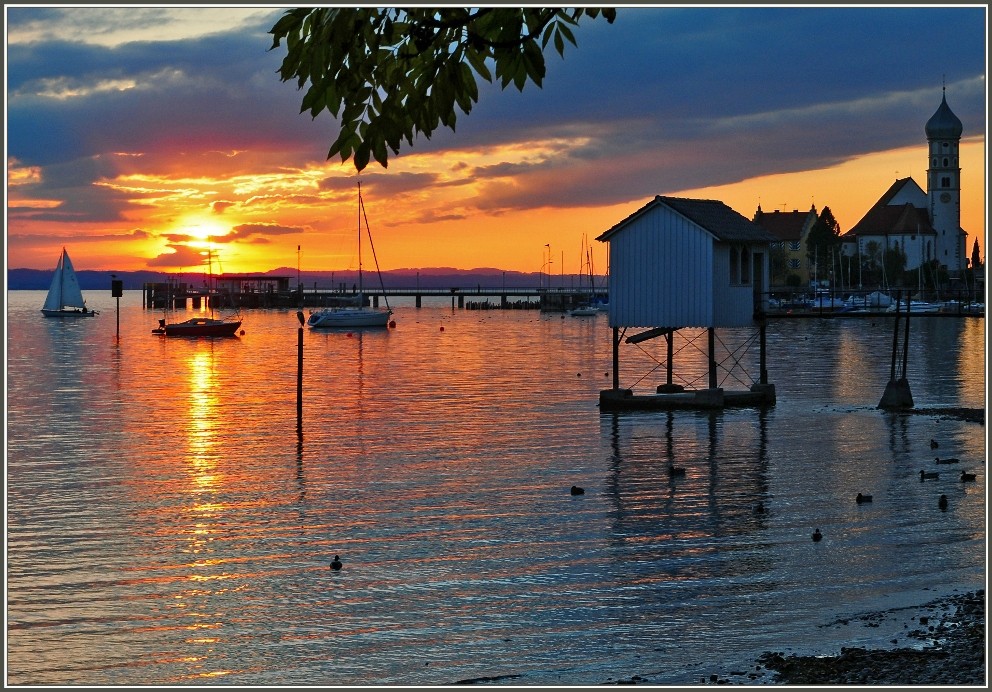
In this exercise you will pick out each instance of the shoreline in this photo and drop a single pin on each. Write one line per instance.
(972, 415)
(950, 649)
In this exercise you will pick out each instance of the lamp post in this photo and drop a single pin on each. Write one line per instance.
(548, 245)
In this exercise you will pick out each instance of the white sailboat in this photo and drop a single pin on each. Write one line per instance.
(359, 315)
(587, 308)
(65, 298)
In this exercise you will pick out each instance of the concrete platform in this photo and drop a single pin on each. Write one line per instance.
(626, 400)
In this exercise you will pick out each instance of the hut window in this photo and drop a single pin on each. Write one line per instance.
(734, 264)
(745, 266)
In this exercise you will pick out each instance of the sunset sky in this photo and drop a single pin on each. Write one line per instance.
(135, 133)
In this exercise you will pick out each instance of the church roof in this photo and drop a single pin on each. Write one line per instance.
(944, 124)
(885, 218)
(784, 225)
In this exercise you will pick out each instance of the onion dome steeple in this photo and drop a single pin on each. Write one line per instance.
(944, 124)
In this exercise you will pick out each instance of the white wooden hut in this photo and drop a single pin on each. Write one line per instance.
(679, 262)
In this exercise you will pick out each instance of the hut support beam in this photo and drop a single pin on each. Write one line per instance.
(710, 333)
(616, 358)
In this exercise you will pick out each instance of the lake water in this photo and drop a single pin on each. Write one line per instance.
(168, 523)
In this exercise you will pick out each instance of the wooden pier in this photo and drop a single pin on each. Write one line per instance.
(275, 292)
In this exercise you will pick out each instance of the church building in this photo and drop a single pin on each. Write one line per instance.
(924, 225)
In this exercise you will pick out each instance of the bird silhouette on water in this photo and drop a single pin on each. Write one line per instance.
(336, 562)
(966, 477)
(933, 444)
(948, 460)
(862, 498)
(942, 503)
(817, 535)
(576, 490)
(674, 470)
(928, 475)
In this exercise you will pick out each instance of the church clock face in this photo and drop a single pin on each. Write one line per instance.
(945, 197)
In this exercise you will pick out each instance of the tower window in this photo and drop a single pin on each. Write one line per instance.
(945, 182)
(945, 162)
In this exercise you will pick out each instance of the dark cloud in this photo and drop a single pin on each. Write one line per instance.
(244, 231)
(665, 99)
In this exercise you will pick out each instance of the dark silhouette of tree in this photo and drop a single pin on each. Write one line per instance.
(390, 74)
(894, 265)
(823, 244)
(976, 260)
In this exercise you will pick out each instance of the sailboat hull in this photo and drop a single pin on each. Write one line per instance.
(348, 317)
(199, 326)
(67, 313)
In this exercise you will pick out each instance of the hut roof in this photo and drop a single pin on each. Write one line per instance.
(713, 216)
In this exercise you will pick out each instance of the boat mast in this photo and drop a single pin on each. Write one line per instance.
(360, 284)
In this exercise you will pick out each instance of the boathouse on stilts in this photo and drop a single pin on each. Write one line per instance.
(679, 264)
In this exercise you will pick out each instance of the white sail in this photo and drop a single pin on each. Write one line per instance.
(64, 291)
(54, 299)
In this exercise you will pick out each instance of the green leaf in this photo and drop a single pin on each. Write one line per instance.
(362, 154)
(478, 62)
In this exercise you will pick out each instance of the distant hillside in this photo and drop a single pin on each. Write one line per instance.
(431, 277)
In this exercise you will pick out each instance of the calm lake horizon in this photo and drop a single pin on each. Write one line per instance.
(171, 521)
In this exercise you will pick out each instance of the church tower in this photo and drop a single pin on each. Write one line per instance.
(944, 187)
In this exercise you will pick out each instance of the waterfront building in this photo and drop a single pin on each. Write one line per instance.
(789, 256)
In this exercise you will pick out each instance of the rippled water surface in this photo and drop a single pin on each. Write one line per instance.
(168, 521)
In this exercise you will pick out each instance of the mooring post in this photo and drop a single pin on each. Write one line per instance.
(897, 395)
(905, 343)
(895, 339)
(299, 371)
(117, 290)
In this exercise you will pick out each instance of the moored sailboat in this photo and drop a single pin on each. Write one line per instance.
(199, 326)
(359, 315)
(65, 298)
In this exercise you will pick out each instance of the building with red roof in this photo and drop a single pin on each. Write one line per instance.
(791, 229)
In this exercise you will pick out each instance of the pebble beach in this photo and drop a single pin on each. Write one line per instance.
(946, 647)
(944, 644)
